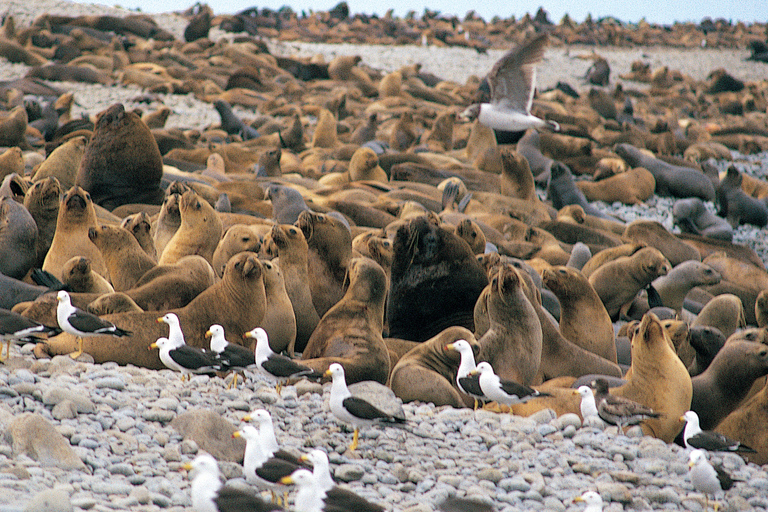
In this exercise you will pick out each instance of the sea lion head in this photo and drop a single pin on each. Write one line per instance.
(505, 282)
(137, 224)
(272, 274)
(244, 266)
(112, 116)
(469, 231)
(648, 333)
(366, 280)
(76, 266)
(310, 222)
(76, 202)
(285, 235)
(677, 331)
(14, 186)
(195, 208)
(653, 262)
(45, 193)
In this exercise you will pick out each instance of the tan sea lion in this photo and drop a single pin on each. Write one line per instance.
(126, 261)
(725, 312)
(63, 163)
(79, 276)
(11, 161)
(324, 135)
(199, 232)
(76, 216)
(350, 332)
(469, 231)
(236, 238)
(583, 317)
(761, 309)
(739, 278)
(654, 234)
(168, 222)
(427, 372)
(747, 425)
(279, 320)
(42, 201)
(111, 303)
(140, 225)
(516, 179)
(632, 187)
(13, 126)
(607, 255)
(657, 379)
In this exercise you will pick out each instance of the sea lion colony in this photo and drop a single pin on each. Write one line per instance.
(357, 260)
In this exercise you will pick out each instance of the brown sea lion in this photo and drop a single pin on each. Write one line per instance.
(324, 135)
(111, 303)
(199, 232)
(512, 343)
(632, 187)
(220, 304)
(126, 261)
(350, 332)
(654, 234)
(140, 225)
(42, 202)
(516, 179)
(279, 320)
(739, 278)
(747, 424)
(761, 309)
(725, 312)
(13, 126)
(168, 222)
(79, 276)
(673, 287)
(63, 163)
(76, 216)
(469, 231)
(693, 217)
(330, 248)
(236, 238)
(122, 163)
(18, 239)
(657, 379)
(427, 372)
(292, 251)
(11, 161)
(583, 317)
(607, 255)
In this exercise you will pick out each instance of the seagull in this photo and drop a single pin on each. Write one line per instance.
(230, 357)
(618, 410)
(708, 478)
(205, 484)
(468, 385)
(588, 405)
(81, 324)
(183, 358)
(232, 499)
(175, 334)
(592, 499)
(277, 365)
(320, 468)
(14, 327)
(502, 391)
(350, 409)
(512, 82)
(708, 440)
(312, 498)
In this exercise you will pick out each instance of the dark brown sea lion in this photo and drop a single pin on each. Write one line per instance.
(42, 202)
(654, 234)
(199, 232)
(168, 222)
(747, 424)
(78, 275)
(126, 261)
(427, 372)
(279, 320)
(13, 126)
(435, 281)
(18, 239)
(122, 163)
(350, 332)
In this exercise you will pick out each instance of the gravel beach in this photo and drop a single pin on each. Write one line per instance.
(117, 420)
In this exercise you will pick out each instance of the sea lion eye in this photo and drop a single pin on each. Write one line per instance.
(293, 231)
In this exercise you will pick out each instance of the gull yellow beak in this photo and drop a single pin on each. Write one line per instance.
(473, 372)
(286, 480)
(449, 346)
(187, 466)
(160, 320)
(304, 458)
(327, 373)
(153, 345)
(247, 417)
(208, 334)
(690, 464)
(682, 418)
(248, 335)
(575, 392)
(578, 499)
(236, 434)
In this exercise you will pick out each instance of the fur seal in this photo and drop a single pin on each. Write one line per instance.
(427, 372)
(121, 163)
(279, 320)
(126, 261)
(63, 162)
(632, 187)
(330, 248)
(237, 238)
(725, 312)
(292, 251)
(657, 379)
(76, 216)
(512, 343)
(77, 274)
(720, 389)
(693, 217)
(435, 281)
(736, 206)
(654, 234)
(18, 239)
(42, 202)
(583, 317)
(168, 222)
(350, 332)
(199, 232)
(140, 226)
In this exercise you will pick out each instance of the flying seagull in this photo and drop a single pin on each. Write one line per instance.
(512, 82)
(81, 324)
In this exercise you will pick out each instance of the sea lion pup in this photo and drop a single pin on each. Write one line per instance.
(692, 216)
(168, 222)
(721, 388)
(222, 303)
(122, 163)
(76, 216)
(199, 232)
(427, 372)
(725, 312)
(80, 278)
(237, 238)
(469, 231)
(671, 180)
(13, 127)
(42, 202)
(140, 226)
(330, 248)
(287, 203)
(435, 281)
(583, 317)
(279, 321)
(618, 281)
(363, 166)
(657, 379)
(11, 161)
(125, 259)
(632, 187)
(18, 239)
(350, 332)
(512, 343)
(673, 287)
(736, 206)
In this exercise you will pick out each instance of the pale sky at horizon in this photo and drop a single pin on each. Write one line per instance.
(673, 10)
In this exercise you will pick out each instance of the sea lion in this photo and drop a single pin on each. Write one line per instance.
(583, 317)
(292, 250)
(140, 226)
(76, 216)
(111, 303)
(562, 190)
(126, 261)
(287, 203)
(705, 343)
(13, 127)
(736, 206)
(11, 161)
(673, 287)
(221, 303)
(279, 320)
(657, 379)
(435, 281)
(720, 389)
(324, 135)
(654, 234)
(330, 248)
(78, 275)
(516, 179)
(121, 163)
(42, 202)
(761, 309)
(427, 372)
(725, 312)
(692, 216)
(199, 232)
(618, 281)
(469, 231)
(236, 238)
(173, 286)
(63, 163)
(606, 255)
(168, 222)
(739, 278)
(632, 187)
(350, 332)
(512, 343)
(18, 239)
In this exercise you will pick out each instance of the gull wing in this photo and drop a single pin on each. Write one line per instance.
(513, 78)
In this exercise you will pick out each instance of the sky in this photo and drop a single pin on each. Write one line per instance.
(663, 12)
